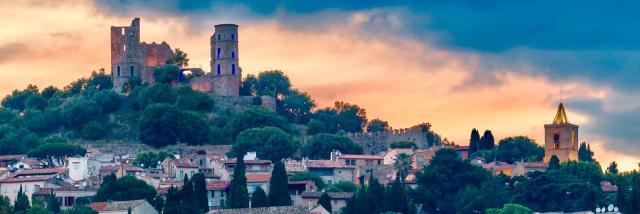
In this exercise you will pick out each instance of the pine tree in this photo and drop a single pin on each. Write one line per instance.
(278, 186)
(325, 201)
(22, 202)
(259, 198)
(486, 141)
(474, 141)
(613, 168)
(52, 203)
(554, 162)
(200, 192)
(238, 194)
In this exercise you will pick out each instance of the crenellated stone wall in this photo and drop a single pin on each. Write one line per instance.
(375, 142)
(239, 104)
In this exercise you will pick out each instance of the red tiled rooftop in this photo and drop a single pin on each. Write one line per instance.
(40, 171)
(232, 161)
(326, 164)
(27, 179)
(217, 185)
(258, 178)
(98, 206)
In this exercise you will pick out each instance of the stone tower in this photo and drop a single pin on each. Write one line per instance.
(561, 138)
(126, 56)
(225, 70)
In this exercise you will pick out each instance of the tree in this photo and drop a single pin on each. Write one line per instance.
(256, 117)
(16, 100)
(520, 148)
(323, 121)
(556, 191)
(238, 195)
(157, 93)
(159, 124)
(249, 86)
(53, 205)
(587, 171)
(38, 210)
(554, 162)
(21, 204)
(259, 198)
(325, 201)
(93, 131)
(188, 99)
(474, 141)
(150, 159)
(173, 204)
(56, 152)
(99, 81)
(377, 125)
(278, 186)
(200, 192)
(402, 164)
(613, 168)
(179, 58)
(187, 199)
(35, 102)
(468, 200)
(396, 198)
(486, 141)
(350, 118)
(269, 143)
(297, 107)
(5, 205)
(124, 189)
(585, 153)
(342, 186)
(301, 176)
(166, 74)
(48, 92)
(108, 100)
(273, 83)
(79, 111)
(441, 180)
(377, 193)
(510, 209)
(320, 146)
(193, 128)
(79, 210)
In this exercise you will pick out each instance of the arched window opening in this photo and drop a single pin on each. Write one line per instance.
(218, 69)
(233, 69)
(218, 53)
(131, 71)
(118, 70)
(556, 141)
(233, 37)
(233, 54)
(218, 37)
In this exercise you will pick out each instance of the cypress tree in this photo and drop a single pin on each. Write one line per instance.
(585, 153)
(487, 142)
(474, 141)
(396, 198)
(376, 191)
(554, 162)
(325, 201)
(187, 199)
(200, 192)
(364, 201)
(238, 194)
(172, 204)
(52, 203)
(278, 186)
(22, 202)
(259, 198)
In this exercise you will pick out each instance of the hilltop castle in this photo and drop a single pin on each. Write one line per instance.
(132, 62)
(561, 138)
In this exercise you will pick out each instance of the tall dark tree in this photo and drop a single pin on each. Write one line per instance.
(585, 153)
(486, 141)
(259, 198)
(613, 168)
(474, 141)
(377, 125)
(172, 204)
(238, 194)
(377, 192)
(53, 205)
(325, 201)
(159, 125)
(186, 193)
(554, 162)
(350, 118)
(200, 192)
(278, 186)
(21, 204)
(396, 198)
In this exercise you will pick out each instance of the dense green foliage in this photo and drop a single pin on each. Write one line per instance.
(56, 152)
(325, 202)
(269, 143)
(94, 130)
(21, 205)
(256, 117)
(342, 186)
(259, 198)
(510, 209)
(150, 159)
(123, 189)
(585, 153)
(320, 146)
(79, 210)
(238, 196)
(278, 186)
(377, 125)
(53, 205)
(166, 74)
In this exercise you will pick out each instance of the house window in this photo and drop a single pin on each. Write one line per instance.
(218, 37)
(218, 69)
(347, 162)
(233, 37)
(131, 70)
(556, 138)
(339, 171)
(181, 174)
(118, 69)
(221, 202)
(233, 54)
(233, 69)
(191, 173)
(218, 53)
(221, 193)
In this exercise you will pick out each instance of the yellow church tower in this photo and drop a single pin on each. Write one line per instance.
(561, 138)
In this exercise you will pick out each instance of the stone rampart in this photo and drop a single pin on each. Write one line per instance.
(239, 104)
(375, 142)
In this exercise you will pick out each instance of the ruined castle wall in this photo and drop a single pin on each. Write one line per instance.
(202, 84)
(154, 55)
(375, 142)
(239, 104)
(226, 85)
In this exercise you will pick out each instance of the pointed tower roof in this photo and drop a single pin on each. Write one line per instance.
(561, 116)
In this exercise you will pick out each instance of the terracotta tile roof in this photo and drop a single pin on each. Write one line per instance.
(334, 195)
(115, 205)
(258, 178)
(608, 187)
(232, 161)
(65, 188)
(134, 168)
(26, 172)
(365, 157)
(326, 164)
(217, 185)
(294, 166)
(264, 210)
(28, 179)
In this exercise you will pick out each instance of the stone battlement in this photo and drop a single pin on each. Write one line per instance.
(374, 142)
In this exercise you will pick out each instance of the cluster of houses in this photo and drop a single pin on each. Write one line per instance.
(80, 177)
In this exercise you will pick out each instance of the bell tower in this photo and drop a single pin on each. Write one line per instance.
(561, 138)
(225, 68)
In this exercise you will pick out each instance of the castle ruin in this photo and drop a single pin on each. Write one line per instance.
(375, 142)
(133, 62)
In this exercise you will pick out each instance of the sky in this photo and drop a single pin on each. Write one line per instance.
(459, 65)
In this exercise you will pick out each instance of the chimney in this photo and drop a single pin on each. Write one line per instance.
(335, 154)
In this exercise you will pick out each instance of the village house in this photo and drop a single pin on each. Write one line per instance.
(296, 188)
(258, 180)
(217, 193)
(122, 207)
(30, 181)
(360, 160)
(338, 200)
(390, 156)
(331, 171)
(66, 194)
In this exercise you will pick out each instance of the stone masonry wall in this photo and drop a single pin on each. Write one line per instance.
(239, 104)
(375, 142)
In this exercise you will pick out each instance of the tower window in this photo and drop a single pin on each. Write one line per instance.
(218, 37)
(218, 53)
(218, 69)
(233, 54)
(233, 37)
(131, 71)
(556, 138)
(118, 69)
(233, 69)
